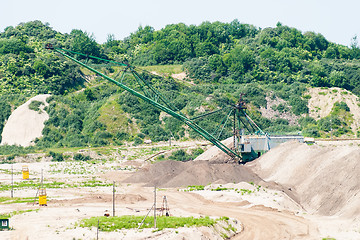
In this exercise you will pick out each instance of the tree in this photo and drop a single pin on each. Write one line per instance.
(355, 50)
(84, 43)
(337, 79)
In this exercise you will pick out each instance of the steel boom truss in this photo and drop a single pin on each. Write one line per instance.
(150, 96)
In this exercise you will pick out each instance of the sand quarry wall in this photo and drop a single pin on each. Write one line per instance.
(325, 178)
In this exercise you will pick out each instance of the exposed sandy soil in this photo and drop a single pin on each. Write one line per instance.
(179, 174)
(270, 113)
(25, 125)
(180, 76)
(261, 212)
(297, 192)
(320, 105)
(324, 176)
(215, 155)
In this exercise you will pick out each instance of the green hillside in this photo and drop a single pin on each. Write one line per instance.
(222, 60)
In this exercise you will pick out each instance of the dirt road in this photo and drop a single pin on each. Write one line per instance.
(57, 220)
(258, 222)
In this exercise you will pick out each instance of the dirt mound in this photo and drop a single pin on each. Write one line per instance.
(182, 174)
(25, 125)
(215, 155)
(130, 198)
(325, 178)
(323, 100)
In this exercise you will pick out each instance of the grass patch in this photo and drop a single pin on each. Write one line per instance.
(9, 200)
(8, 171)
(194, 188)
(30, 184)
(164, 69)
(13, 213)
(34, 185)
(110, 224)
(221, 189)
(307, 96)
(243, 191)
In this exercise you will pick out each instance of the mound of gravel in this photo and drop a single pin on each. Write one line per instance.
(182, 174)
(325, 177)
(215, 155)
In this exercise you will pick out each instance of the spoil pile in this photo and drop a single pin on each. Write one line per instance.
(325, 178)
(215, 155)
(183, 174)
(25, 125)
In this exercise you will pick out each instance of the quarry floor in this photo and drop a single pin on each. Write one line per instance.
(265, 211)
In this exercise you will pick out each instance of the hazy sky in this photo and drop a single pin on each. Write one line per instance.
(338, 21)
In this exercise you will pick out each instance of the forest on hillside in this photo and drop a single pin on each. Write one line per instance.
(223, 60)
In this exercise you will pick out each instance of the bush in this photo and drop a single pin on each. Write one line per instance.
(138, 141)
(56, 157)
(311, 131)
(181, 155)
(305, 121)
(299, 106)
(340, 106)
(81, 157)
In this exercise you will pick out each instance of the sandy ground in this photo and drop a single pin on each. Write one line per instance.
(291, 198)
(25, 125)
(261, 214)
(324, 177)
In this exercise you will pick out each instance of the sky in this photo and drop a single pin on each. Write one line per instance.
(338, 21)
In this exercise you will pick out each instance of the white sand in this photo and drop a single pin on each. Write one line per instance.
(25, 125)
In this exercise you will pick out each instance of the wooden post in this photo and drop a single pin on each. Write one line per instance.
(12, 181)
(114, 199)
(97, 231)
(155, 207)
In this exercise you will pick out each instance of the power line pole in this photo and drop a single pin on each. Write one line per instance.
(12, 181)
(114, 199)
(97, 230)
(155, 207)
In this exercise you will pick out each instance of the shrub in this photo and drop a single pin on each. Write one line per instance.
(81, 157)
(340, 106)
(311, 131)
(56, 157)
(138, 141)
(299, 106)
(180, 155)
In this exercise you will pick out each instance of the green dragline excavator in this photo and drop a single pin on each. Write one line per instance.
(241, 150)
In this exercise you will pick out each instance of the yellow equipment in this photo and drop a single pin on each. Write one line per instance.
(25, 172)
(42, 197)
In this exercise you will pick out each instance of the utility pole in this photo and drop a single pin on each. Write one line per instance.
(114, 199)
(155, 207)
(97, 230)
(12, 181)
